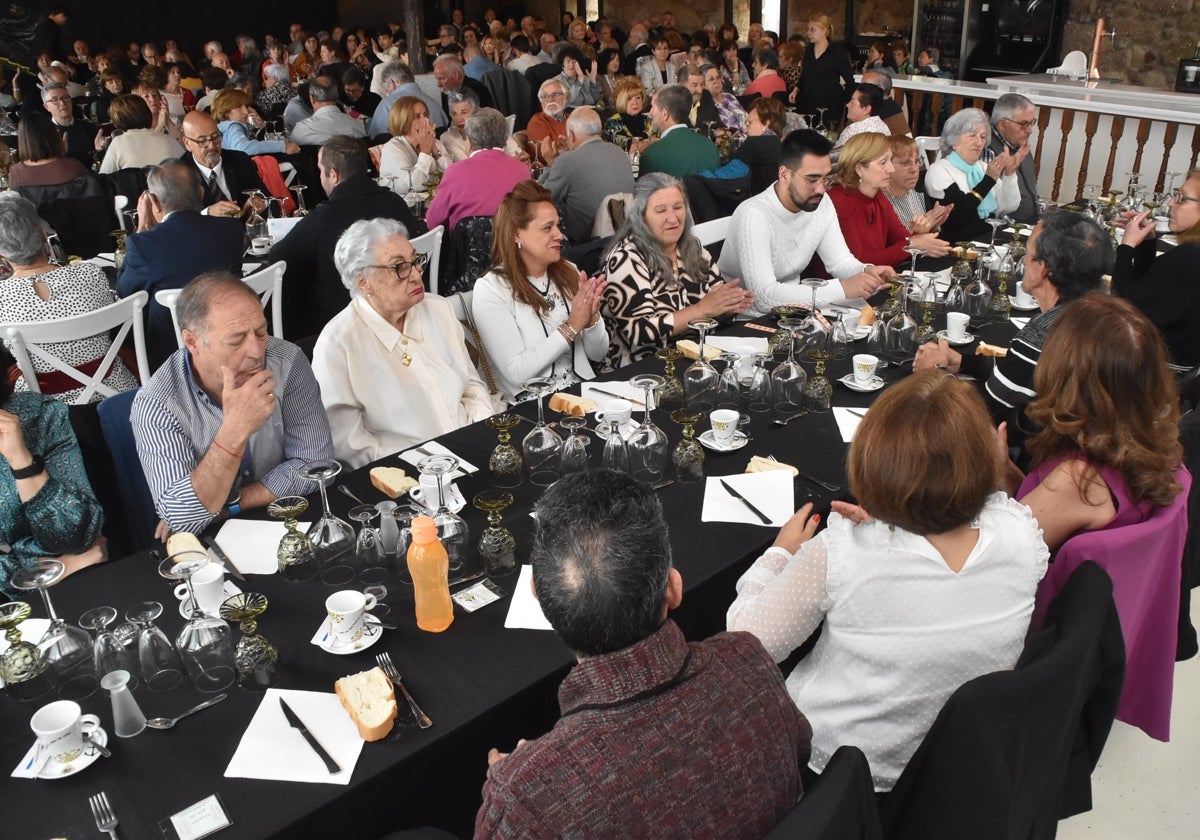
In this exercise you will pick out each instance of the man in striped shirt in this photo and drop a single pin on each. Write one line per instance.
(229, 421)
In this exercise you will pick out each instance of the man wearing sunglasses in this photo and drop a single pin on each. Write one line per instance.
(1014, 118)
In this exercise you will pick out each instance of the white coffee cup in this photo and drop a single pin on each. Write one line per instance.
(1023, 297)
(864, 368)
(209, 585)
(60, 727)
(851, 319)
(345, 611)
(260, 245)
(615, 411)
(724, 424)
(956, 325)
(426, 492)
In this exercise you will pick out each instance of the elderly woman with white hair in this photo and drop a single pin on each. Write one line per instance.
(393, 365)
(277, 90)
(976, 188)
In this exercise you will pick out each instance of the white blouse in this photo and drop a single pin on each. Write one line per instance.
(377, 405)
(902, 630)
(521, 344)
(400, 160)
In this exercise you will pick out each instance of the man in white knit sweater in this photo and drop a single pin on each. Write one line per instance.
(774, 235)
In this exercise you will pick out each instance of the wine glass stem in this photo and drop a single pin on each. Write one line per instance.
(324, 496)
(49, 605)
(541, 419)
(647, 390)
(441, 491)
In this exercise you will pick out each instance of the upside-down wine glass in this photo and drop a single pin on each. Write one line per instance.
(159, 663)
(900, 330)
(333, 538)
(648, 443)
(24, 673)
(109, 653)
(758, 386)
(574, 457)
(789, 378)
(67, 649)
(254, 658)
(688, 456)
(542, 446)
(256, 225)
(452, 528)
(669, 394)
(504, 464)
(299, 189)
(296, 555)
(369, 550)
(928, 303)
(497, 548)
(700, 379)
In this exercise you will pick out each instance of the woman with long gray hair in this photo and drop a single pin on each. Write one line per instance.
(659, 275)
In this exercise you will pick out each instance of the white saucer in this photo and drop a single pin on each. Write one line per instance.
(371, 634)
(54, 770)
(454, 498)
(626, 429)
(967, 339)
(861, 332)
(739, 440)
(853, 384)
(184, 614)
(1032, 307)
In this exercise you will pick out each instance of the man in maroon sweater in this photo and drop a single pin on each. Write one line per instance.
(658, 737)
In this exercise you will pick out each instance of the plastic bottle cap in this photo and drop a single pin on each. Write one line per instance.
(424, 529)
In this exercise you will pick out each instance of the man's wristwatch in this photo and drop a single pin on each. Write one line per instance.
(37, 467)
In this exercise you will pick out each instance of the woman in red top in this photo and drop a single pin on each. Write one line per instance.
(873, 231)
(767, 81)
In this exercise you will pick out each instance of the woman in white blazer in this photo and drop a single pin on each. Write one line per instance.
(658, 70)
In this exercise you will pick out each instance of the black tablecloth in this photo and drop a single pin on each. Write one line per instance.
(482, 685)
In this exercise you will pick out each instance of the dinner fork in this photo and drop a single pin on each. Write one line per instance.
(106, 820)
(385, 662)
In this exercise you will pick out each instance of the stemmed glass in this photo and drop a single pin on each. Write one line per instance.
(543, 445)
(1172, 177)
(497, 548)
(160, 665)
(452, 529)
(814, 283)
(688, 456)
(256, 225)
(670, 393)
(109, 653)
(728, 386)
(648, 443)
(24, 672)
(1091, 194)
(700, 379)
(928, 303)
(181, 566)
(914, 252)
(997, 221)
(505, 461)
(818, 392)
(254, 658)
(205, 645)
(299, 189)
(368, 549)
(789, 379)
(877, 340)
(296, 555)
(777, 343)
(1000, 307)
(820, 127)
(900, 330)
(333, 538)
(616, 453)
(574, 458)
(403, 516)
(67, 649)
(758, 386)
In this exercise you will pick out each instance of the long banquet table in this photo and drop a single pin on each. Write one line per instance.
(481, 684)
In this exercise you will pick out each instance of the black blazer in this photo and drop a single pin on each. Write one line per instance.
(239, 170)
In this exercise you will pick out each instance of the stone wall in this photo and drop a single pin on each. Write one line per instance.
(689, 16)
(869, 16)
(1151, 37)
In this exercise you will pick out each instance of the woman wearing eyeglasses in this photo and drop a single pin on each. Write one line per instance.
(1166, 287)
(537, 314)
(393, 365)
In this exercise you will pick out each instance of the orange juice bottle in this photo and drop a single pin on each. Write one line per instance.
(429, 566)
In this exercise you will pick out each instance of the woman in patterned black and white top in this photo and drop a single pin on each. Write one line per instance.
(39, 290)
(659, 276)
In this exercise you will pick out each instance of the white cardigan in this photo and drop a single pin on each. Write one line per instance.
(942, 173)
(522, 345)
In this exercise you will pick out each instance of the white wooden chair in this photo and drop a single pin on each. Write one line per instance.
(930, 149)
(30, 339)
(120, 202)
(267, 283)
(712, 231)
(431, 244)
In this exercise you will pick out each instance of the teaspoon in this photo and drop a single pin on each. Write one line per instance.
(167, 723)
(342, 488)
(783, 421)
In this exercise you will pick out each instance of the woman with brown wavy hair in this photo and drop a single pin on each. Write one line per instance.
(1107, 404)
(537, 314)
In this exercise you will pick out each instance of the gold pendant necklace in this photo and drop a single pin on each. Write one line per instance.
(405, 359)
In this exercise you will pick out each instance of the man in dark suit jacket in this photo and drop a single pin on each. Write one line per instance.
(313, 290)
(224, 174)
(679, 151)
(173, 245)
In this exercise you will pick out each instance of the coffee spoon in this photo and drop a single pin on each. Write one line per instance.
(167, 723)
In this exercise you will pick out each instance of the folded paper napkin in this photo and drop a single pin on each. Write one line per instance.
(771, 492)
(621, 389)
(1019, 323)
(524, 611)
(253, 545)
(847, 421)
(414, 457)
(736, 343)
(272, 749)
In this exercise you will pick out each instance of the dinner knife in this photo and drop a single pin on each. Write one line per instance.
(222, 557)
(745, 501)
(618, 396)
(294, 721)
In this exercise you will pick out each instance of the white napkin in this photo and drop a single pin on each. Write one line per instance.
(524, 611)
(250, 267)
(1019, 323)
(253, 545)
(771, 492)
(621, 389)
(847, 421)
(414, 457)
(735, 343)
(279, 228)
(271, 749)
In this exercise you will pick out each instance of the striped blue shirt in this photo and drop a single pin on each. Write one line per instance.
(175, 422)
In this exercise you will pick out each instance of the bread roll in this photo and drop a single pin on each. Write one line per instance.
(691, 349)
(760, 464)
(370, 700)
(391, 481)
(867, 315)
(983, 349)
(183, 541)
(570, 404)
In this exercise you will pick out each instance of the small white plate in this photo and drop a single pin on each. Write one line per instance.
(967, 339)
(854, 385)
(371, 634)
(454, 498)
(1020, 307)
(626, 429)
(709, 442)
(54, 770)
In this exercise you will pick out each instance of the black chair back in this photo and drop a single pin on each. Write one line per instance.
(840, 805)
(80, 211)
(466, 255)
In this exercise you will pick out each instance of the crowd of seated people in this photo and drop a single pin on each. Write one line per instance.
(679, 129)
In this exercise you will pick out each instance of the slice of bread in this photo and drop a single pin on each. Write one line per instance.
(983, 349)
(370, 700)
(392, 481)
(867, 315)
(760, 464)
(570, 404)
(691, 349)
(183, 541)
